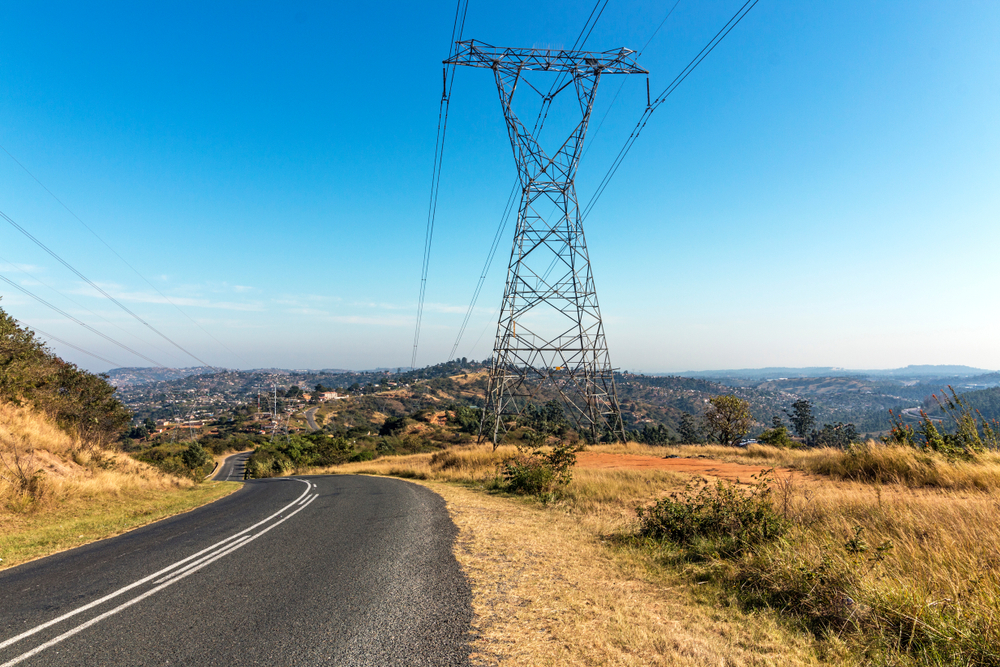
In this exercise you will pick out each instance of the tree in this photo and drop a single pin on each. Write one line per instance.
(392, 425)
(728, 418)
(838, 435)
(651, 435)
(690, 433)
(801, 417)
(195, 456)
(777, 436)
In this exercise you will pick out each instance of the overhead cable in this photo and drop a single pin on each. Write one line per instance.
(116, 254)
(114, 364)
(662, 97)
(99, 289)
(81, 306)
(594, 134)
(81, 323)
(458, 27)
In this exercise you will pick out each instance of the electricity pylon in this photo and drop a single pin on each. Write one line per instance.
(550, 340)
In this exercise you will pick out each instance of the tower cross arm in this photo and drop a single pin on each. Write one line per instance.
(478, 54)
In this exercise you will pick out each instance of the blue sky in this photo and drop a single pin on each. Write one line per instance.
(822, 190)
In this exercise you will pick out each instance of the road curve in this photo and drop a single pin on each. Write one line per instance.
(233, 468)
(341, 570)
(311, 418)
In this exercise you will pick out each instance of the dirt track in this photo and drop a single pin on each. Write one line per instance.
(707, 467)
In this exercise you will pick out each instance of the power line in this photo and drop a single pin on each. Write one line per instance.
(486, 267)
(505, 217)
(79, 305)
(457, 28)
(594, 134)
(116, 254)
(678, 80)
(99, 289)
(114, 364)
(80, 322)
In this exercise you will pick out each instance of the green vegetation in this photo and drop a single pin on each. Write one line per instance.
(689, 430)
(777, 437)
(970, 433)
(728, 418)
(652, 434)
(536, 471)
(80, 402)
(287, 454)
(709, 520)
(801, 416)
(984, 402)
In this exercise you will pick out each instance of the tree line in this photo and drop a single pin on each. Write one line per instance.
(728, 420)
(78, 401)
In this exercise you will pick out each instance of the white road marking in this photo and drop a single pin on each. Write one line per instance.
(187, 567)
(155, 575)
(126, 605)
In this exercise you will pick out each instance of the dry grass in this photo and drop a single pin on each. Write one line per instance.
(57, 491)
(548, 591)
(552, 586)
(869, 462)
(931, 594)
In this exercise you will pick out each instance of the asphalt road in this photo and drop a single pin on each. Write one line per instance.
(310, 418)
(233, 468)
(337, 570)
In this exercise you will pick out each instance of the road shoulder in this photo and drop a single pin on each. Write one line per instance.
(548, 590)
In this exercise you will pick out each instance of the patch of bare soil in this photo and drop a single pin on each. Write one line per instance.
(696, 466)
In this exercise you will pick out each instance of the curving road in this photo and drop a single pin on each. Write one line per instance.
(311, 418)
(340, 570)
(233, 468)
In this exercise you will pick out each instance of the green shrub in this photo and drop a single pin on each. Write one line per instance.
(718, 518)
(195, 456)
(535, 472)
(777, 437)
(467, 419)
(971, 433)
(392, 425)
(363, 455)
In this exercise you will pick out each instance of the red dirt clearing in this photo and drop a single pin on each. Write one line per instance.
(707, 467)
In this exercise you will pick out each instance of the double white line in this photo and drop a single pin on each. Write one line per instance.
(165, 577)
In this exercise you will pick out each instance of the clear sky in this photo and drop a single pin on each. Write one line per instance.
(824, 190)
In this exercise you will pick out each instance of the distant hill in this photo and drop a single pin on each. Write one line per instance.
(130, 377)
(780, 372)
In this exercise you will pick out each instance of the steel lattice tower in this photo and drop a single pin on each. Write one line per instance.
(550, 338)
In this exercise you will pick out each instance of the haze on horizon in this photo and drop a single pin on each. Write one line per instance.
(821, 191)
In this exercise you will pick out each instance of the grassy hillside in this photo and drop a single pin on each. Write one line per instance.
(63, 481)
(58, 490)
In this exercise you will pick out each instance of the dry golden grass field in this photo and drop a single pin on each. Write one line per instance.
(892, 556)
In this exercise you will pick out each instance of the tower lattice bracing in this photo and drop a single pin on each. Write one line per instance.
(550, 340)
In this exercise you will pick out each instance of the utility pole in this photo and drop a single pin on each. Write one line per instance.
(274, 413)
(550, 339)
